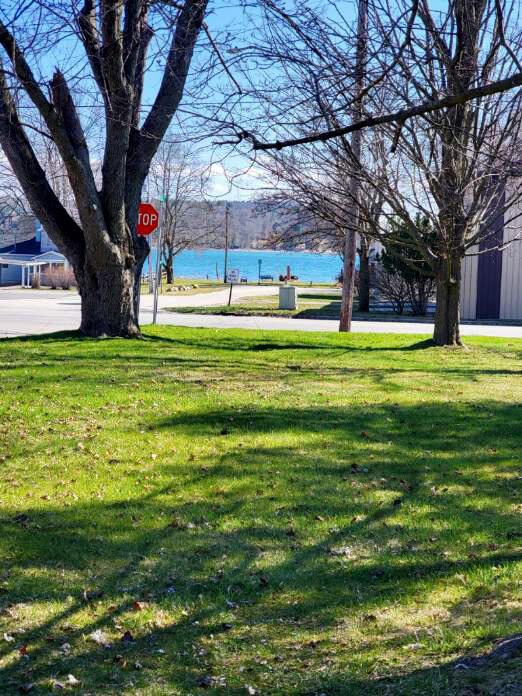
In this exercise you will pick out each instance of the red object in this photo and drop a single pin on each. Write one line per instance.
(148, 219)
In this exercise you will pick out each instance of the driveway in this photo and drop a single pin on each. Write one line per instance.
(25, 312)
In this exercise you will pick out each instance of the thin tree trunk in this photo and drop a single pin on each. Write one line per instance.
(364, 277)
(447, 313)
(350, 239)
(169, 267)
(350, 252)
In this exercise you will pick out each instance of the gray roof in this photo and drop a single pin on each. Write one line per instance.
(32, 259)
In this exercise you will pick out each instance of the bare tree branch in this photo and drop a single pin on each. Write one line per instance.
(497, 87)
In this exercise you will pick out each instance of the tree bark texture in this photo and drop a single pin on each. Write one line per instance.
(350, 253)
(447, 314)
(364, 276)
(169, 267)
(350, 242)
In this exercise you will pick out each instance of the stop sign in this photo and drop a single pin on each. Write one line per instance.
(148, 219)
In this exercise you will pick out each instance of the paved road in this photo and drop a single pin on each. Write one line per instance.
(24, 312)
(27, 311)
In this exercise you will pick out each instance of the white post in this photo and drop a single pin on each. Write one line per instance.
(138, 300)
(158, 276)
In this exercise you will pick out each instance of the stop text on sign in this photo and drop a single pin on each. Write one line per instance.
(148, 219)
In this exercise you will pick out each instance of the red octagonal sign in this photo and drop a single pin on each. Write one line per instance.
(148, 219)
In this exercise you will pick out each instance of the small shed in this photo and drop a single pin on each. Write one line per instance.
(20, 269)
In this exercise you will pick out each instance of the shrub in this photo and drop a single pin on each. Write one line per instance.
(68, 279)
(392, 287)
(401, 259)
(59, 277)
(52, 278)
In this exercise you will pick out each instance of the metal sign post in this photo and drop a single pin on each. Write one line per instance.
(138, 299)
(232, 277)
(148, 220)
(226, 244)
(157, 281)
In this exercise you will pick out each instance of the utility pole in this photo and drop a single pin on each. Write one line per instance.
(226, 243)
(350, 239)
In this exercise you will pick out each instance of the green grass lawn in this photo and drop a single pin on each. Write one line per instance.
(203, 287)
(318, 305)
(233, 512)
(322, 290)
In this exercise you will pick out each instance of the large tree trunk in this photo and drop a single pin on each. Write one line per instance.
(109, 301)
(364, 277)
(447, 313)
(109, 285)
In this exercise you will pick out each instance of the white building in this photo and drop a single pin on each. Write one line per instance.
(20, 269)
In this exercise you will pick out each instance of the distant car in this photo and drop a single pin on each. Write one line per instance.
(244, 279)
(266, 277)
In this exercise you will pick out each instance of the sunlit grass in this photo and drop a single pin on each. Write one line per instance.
(297, 513)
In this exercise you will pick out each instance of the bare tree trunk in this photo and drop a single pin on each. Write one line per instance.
(109, 287)
(447, 313)
(350, 240)
(350, 252)
(364, 276)
(108, 302)
(169, 267)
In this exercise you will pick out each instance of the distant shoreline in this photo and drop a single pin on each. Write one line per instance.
(209, 263)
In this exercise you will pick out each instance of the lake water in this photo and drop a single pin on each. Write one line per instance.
(306, 265)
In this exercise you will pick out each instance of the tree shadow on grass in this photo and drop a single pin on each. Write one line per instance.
(240, 355)
(230, 339)
(189, 359)
(319, 533)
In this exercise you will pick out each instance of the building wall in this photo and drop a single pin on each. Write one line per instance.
(511, 289)
(12, 275)
(489, 279)
(481, 289)
(468, 286)
(511, 285)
